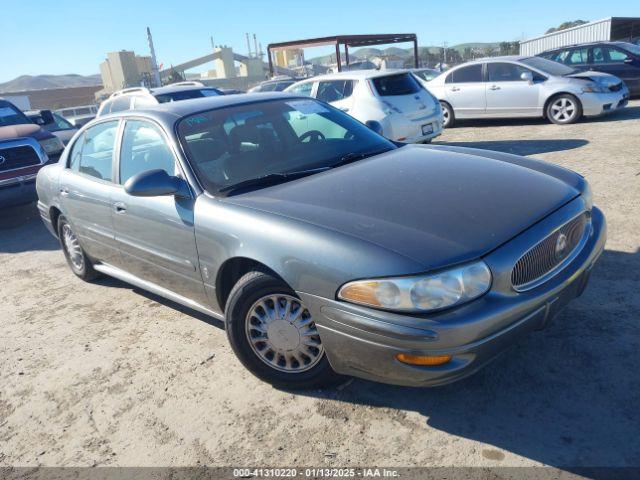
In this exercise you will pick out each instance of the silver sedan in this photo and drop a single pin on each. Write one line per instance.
(506, 87)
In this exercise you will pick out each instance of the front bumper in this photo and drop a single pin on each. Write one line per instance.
(364, 342)
(595, 104)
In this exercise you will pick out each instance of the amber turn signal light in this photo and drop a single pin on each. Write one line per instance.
(423, 360)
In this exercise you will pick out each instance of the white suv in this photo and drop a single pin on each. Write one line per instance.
(390, 101)
(141, 97)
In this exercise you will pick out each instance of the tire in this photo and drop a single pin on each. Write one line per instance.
(263, 335)
(449, 117)
(80, 264)
(564, 109)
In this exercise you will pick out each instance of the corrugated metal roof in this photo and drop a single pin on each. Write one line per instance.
(597, 31)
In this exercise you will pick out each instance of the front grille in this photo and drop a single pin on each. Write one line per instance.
(18, 157)
(549, 254)
(616, 88)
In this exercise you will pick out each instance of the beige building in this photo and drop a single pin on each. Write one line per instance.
(291, 57)
(124, 69)
(224, 62)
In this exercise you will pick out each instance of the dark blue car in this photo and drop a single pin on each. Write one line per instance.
(621, 59)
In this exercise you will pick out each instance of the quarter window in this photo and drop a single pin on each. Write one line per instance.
(144, 148)
(334, 90)
(92, 154)
(470, 74)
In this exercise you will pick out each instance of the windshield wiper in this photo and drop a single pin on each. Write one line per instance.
(272, 179)
(354, 157)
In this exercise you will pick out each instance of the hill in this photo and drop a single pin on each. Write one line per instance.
(42, 82)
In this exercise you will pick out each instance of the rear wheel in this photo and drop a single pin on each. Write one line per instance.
(80, 264)
(564, 109)
(274, 335)
(449, 118)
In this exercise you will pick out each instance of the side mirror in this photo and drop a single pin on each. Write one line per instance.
(375, 126)
(155, 183)
(527, 77)
(47, 117)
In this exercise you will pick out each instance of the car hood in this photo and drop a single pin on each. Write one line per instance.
(598, 77)
(24, 130)
(435, 207)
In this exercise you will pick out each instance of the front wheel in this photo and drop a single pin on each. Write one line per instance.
(448, 116)
(274, 335)
(564, 109)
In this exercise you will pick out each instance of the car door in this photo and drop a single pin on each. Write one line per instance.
(86, 189)
(616, 62)
(465, 90)
(508, 95)
(155, 235)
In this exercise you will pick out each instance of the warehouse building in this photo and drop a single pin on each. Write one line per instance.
(626, 29)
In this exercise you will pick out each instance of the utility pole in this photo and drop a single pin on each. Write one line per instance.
(154, 63)
(213, 46)
(255, 45)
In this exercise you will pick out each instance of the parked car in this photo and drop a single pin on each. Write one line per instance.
(231, 91)
(54, 123)
(141, 97)
(325, 248)
(517, 86)
(78, 116)
(621, 59)
(393, 101)
(276, 84)
(425, 74)
(24, 149)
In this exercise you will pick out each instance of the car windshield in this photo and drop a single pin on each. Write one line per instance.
(9, 115)
(548, 66)
(392, 85)
(186, 95)
(232, 145)
(630, 47)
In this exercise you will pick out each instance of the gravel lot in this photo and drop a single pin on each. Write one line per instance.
(105, 374)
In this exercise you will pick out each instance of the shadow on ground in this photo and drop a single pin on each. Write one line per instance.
(627, 113)
(22, 230)
(522, 147)
(566, 396)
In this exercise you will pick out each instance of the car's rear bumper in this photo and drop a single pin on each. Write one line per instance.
(595, 104)
(401, 129)
(364, 342)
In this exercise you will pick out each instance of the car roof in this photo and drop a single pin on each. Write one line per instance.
(358, 74)
(588, 44)
(170, 111)
(177, 88)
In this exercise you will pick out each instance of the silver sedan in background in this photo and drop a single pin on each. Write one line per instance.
(516, 86)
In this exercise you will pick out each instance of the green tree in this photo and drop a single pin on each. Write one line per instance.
(565, 25)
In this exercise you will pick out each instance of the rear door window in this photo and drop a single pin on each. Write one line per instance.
(334, 90)
(392, 85)
(470, 74)
(95, 154)
(578, 56)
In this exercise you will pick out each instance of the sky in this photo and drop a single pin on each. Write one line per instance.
(72, 36)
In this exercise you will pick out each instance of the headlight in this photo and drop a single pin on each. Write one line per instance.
(594, 88)
(52, 145)
(422, 293)
(587, 195)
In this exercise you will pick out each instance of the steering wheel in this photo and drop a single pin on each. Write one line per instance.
(313, 135)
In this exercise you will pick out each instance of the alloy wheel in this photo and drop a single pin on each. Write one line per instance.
(72, 246)
(563, 110)
(282, 334)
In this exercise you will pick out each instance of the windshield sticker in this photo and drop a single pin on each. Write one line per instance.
(307, 106)
(7, 112)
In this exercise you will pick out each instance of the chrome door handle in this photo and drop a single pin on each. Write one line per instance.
(455, 89)
(119, 207)
(64, 191)
(494, 87)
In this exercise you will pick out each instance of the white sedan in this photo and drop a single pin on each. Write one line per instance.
(391, 102)
(508, 87)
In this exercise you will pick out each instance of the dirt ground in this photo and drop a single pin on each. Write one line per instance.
(105, 374)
